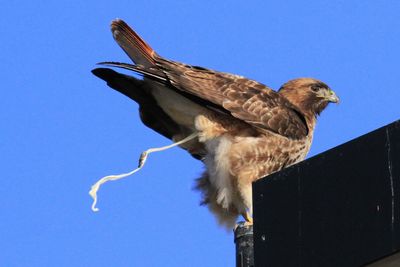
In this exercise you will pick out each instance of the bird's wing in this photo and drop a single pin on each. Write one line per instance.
(135, 89)
(244, 99)
(151, 114)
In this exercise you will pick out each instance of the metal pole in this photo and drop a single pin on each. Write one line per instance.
(244, 245)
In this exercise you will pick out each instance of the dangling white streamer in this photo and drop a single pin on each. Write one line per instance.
(142, 161)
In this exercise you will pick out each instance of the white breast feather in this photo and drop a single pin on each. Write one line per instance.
(218, 165)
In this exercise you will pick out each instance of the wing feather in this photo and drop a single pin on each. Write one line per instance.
(244, 99)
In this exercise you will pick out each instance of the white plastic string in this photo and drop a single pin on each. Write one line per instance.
(142, 161)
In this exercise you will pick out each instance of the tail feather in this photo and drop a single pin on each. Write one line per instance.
(151, 114)
(133, 45)
(225, 217)
(153, 73)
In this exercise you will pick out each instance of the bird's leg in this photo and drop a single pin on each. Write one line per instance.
(249, 220)
(209, 126)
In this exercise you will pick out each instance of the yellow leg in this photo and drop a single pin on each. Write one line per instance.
(248, 218)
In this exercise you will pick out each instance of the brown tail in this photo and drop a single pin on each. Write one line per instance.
(134, 46)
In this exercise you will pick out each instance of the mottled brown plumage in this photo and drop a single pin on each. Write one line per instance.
(245, 129)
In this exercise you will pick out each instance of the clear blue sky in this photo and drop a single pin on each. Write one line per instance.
(62, 128)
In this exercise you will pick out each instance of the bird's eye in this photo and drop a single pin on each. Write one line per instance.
(315, 88)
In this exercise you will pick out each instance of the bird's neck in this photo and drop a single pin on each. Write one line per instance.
(311, 119)
(305, 109)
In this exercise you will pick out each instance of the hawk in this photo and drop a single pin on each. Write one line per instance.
(240, 129)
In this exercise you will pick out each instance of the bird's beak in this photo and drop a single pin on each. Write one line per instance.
(332, 97)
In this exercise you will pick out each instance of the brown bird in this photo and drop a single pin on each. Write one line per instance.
(240, 129)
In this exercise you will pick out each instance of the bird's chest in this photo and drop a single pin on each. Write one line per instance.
(255, 157)
(231, 161)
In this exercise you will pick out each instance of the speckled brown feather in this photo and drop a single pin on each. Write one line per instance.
(245, 99)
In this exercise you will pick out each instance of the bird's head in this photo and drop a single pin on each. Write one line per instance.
(311, 96)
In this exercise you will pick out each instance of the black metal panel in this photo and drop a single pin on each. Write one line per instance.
(394, 149)
(335, 209)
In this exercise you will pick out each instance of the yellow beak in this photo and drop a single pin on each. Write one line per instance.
(332, 97)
